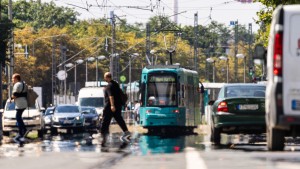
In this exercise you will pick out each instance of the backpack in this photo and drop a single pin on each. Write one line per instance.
(31, 96)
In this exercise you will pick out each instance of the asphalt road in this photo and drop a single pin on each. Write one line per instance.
(83, 151)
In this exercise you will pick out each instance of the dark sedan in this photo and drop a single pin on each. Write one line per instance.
(92, 119)
(239, 109)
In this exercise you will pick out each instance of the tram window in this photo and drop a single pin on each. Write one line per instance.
(162, 94)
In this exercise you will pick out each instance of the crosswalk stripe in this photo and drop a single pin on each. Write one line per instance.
(193, 159)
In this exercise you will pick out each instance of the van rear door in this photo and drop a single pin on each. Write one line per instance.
(291, 60)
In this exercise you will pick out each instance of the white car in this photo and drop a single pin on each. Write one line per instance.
(32, 118)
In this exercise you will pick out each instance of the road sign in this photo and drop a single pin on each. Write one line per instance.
(122, 79)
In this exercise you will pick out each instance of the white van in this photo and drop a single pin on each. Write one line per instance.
(92, 97)
(283, 79)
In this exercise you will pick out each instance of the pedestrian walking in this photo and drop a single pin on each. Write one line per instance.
(112, 109)
(19, 94)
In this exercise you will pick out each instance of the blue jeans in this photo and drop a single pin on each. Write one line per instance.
(20, 122)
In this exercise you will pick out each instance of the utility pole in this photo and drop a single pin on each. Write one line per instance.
(54, 101)
(148, 43)
(250, 57)
(10, 50)
(196, 42)
(236, 43)
(2, 60)
(114, 63)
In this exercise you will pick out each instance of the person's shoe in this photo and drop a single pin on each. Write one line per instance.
(22, 139)
(17, 138)
(126, 137)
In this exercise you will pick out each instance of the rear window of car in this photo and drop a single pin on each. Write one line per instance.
(245, 91)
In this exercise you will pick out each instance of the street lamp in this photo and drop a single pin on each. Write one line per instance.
(211, 60)
(227, 66)
(89, 59)
(242, 56)
(71, 66)
(152, 52)
(132, 56)
(101, 57)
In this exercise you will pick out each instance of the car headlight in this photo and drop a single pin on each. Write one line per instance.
(78, 118)
(95, 118)
(47, 119)
(55, 119)
(36, 117)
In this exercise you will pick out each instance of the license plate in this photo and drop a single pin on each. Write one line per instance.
(248, 106)
(87, 124)
(296, 104)
(67, 122)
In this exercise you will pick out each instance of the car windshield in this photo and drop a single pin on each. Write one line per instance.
(245, 91)
(92, 101)
(67, 109)
(48, 111)
(88, 110)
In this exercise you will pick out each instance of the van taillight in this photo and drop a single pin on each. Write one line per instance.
(277, 57)
(223, 107)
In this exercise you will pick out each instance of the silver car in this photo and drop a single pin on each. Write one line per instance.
(67, 116)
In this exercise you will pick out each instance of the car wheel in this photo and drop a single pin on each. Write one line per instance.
(40, 133)
(215, 136)
(5, 133)
(53, 131)
(275, 139)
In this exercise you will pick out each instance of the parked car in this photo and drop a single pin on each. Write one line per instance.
(239, 109)
(67, 116)
(92, 119)
(47, 119)
(32, 117)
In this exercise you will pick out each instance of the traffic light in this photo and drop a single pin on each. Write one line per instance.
(251, 71)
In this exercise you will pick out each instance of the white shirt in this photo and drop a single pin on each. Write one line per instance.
(20, 102)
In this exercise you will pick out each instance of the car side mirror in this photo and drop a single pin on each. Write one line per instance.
(85, 112)
(211, 102)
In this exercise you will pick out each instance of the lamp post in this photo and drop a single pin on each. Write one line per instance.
(70, 66)
(89, 59)
(211, 60)
(227, 66)
(152, 52)
(101, 57)
(132, 56)
(242, 56)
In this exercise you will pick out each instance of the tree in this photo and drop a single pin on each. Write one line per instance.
(41, 15)
(265, 17)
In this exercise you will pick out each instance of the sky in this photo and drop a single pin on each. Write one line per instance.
(222, 11)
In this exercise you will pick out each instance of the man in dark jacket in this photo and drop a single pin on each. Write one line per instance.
(112, 109)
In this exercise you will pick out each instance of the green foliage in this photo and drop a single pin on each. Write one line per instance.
(40, 15)
(265, 16)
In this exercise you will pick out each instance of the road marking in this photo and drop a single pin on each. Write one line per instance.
(193, 159)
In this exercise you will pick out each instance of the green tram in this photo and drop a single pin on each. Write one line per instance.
(170, 99)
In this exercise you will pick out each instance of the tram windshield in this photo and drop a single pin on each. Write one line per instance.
(161, 90)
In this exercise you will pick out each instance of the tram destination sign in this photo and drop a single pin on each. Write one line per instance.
(162, 79)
